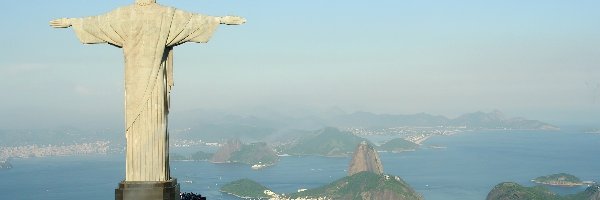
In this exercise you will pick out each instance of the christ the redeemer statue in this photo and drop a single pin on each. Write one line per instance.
(147, 33)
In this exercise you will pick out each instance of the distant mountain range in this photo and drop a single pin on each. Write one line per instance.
(214, 126)
(270, 126)
(476, 120)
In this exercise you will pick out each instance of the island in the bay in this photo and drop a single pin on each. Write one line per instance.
(258, 155)
(561, 179)
(366, 180)
(398, 145)
(325, 142)
(332, 142)
(329, 142)
(514, 191)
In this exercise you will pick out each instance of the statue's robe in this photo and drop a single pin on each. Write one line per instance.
(147, 35)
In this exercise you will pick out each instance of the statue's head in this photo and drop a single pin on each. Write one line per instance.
(144, 2)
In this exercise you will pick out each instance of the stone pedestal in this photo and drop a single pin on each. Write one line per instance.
(141, 190)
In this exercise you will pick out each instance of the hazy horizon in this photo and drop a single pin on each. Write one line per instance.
(536, 59)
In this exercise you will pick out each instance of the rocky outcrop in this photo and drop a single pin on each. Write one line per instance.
(365, 158)
(225, 152)
(592, 193)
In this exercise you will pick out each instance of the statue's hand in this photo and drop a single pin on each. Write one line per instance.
(232, 20)
(61, 23)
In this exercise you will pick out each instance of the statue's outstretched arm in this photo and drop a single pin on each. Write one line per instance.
(61, 23)
(231, 20)
(91, 30)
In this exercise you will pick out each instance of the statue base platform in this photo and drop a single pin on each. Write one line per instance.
(142, 190)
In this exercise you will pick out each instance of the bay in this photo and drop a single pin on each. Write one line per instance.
(468, 166)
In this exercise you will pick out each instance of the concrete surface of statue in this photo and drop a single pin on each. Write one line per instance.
(147, 32)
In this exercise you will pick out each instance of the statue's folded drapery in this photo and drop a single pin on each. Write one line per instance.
(147, 37)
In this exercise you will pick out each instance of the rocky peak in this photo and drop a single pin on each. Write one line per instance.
(365, 158)
(225, 152)
(593, 192)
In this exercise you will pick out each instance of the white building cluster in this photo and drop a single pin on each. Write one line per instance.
(275, 196)
(98, 147)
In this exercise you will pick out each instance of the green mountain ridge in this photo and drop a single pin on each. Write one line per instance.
(361, 186)
(365, 181)
(255, 153)
(234, 151)
(514, 191)
(245, 188)
(326, 142)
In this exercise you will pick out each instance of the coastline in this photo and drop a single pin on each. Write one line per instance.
(564, 184)
(241, 197)
(4, 164)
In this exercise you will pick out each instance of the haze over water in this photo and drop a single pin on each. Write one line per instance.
(467, 169)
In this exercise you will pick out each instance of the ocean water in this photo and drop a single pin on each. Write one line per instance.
(467, 168)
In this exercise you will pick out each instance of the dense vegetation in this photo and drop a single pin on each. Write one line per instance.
(364, 185)
(514, 191)
(326, 142)
(245, 188)
(558, 179)
(255, 153)
(398, 145)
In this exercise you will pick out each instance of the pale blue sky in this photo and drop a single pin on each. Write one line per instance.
(535, 59)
